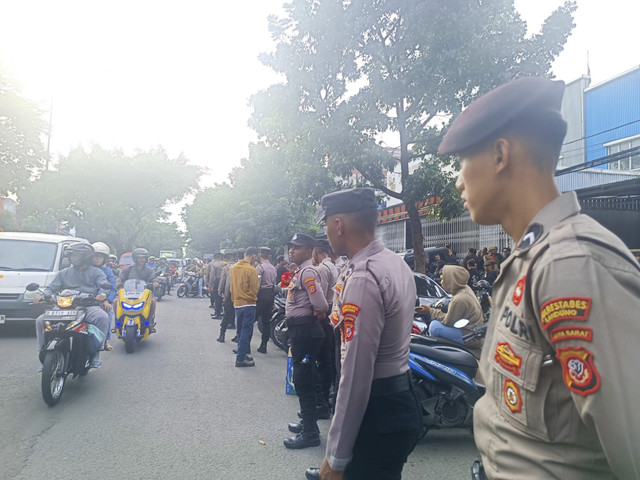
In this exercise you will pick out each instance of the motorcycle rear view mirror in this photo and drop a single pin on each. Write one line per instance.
(32, 287)
(463, 322)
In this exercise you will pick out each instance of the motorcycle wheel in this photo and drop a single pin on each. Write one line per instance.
(53, 378)
(422, 396)
(130, 338)
(280, 332)
(182, 291)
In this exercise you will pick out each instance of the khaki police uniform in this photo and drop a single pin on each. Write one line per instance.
(560, 356)
(266, 296)
(376, 421)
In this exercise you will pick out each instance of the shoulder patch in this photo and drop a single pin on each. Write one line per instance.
(571, 333)
(519, 291)
(507, 358)
(512, 397)
(565, 308)
(310, 282)
(350, 309)
(578, 370)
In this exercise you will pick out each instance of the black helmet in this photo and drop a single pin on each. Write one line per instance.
(484, 284)
(83, 249)
(139, 252)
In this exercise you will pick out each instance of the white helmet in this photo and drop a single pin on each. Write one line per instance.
(101, 248)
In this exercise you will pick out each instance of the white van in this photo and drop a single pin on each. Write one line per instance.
(27, 258)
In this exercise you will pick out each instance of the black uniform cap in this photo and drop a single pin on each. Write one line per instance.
(489, 115)
(348, 201)
(322, 241)
(302, 240)
(265, 250)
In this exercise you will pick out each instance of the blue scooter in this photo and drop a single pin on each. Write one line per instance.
(443, 373)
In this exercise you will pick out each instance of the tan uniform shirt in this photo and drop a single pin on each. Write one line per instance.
(305, 293)
(561, 355)
(373, 306)
(328, 275)
(267, 274)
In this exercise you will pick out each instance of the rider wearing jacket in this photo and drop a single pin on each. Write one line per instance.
(140, 271)
(100, 257)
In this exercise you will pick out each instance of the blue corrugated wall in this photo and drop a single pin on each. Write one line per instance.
(609, 106)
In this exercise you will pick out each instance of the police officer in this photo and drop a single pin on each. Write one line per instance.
(376, 421)
(224, 291)
(266, 295)
(561, 352)
(306, 305)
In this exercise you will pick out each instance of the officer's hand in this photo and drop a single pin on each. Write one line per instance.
(319, 315)
(326, 473)
(37, 299)
(107, 306)
(101, 297)
(423, 309)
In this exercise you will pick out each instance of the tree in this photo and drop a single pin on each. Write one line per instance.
(109, 196)
(21, 128)
(258, 206)
(361, 71)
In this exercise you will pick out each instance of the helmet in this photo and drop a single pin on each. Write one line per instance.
(152, 258)
(102, 248)
(484, 284)
(79, 253)
(139, 252)
(113, 257)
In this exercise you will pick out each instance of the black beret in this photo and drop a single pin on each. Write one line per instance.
(488, 115)
(302, 240)
(348, 201)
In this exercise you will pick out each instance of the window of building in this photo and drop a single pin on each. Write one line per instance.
(632, 162)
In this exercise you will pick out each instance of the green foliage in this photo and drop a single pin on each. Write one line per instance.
(21, 128)
(361, 69)
(111, 197)
(257, 207)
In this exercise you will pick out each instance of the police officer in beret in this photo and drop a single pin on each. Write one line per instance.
(306, 305)
(266, 295)
(376, 421)
(561, 351)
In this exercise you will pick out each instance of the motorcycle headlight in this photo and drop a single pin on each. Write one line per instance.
(64, 302)
(130, 307)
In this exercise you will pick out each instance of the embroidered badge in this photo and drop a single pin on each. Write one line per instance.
(532, 235)
(578, 370)
(567, 308)
(512, 397)
(519, 291)
(349, 328)
(350, 309)
(311, 284)
(507, 358)
(571, 333)
(335, 317)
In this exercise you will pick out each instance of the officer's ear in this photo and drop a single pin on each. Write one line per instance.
(502, 151)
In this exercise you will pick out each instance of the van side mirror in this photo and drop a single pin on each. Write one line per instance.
(32, 287)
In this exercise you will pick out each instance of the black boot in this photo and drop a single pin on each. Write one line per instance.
(296, 427)
(262, 348)
(235, 339)
(221, 338)
(303, 440)
(312, 473)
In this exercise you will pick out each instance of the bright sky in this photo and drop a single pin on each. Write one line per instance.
(137, 74)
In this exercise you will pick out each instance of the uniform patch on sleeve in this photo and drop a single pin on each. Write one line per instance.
(507, 358)
(571, 333)
(567, 308)
(350, 309)
(335, 317)
(349, 328)
(578, 370)
(519, 291)
(311, 285)
(512, 397)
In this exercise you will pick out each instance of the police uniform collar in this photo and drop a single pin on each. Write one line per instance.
(304, 264)
(565, 206)
(374, 247)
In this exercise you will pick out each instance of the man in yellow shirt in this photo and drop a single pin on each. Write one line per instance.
(244, 293)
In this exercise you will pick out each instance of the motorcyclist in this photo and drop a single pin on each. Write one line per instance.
(151, 263)
(85, 278)
(164, 268)
(100, 256)
(464, 304)
(140, 271)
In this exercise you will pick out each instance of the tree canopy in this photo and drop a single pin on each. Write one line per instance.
(111, 197)
(375, 83)
(21, 128)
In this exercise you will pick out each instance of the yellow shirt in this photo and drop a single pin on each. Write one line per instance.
(244, 284)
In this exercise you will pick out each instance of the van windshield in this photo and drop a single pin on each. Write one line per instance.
(22, 255)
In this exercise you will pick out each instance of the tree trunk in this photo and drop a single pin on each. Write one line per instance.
(417, 239)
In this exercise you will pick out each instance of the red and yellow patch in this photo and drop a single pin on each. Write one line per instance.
(567, 308)
(350, 309)
(519, 291)
(311, 285)
(349, 328)
(512, 397)
(335, 317)
(578, 370)
(507, 358)
(571, 333)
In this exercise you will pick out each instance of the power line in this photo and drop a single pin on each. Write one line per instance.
(600, 133)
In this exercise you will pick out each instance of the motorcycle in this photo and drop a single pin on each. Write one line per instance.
(133, 324)
(443, 374)
(188, 286)
(69, 343)
(162, 288)
(483, 293)
(279, 330)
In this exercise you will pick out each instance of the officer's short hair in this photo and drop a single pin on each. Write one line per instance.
(364, 219)
(280, 258)
(250, 251)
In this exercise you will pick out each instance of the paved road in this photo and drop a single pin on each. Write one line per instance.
(175, 409)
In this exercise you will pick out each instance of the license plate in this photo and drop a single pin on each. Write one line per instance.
(2, 318)
(60, 314)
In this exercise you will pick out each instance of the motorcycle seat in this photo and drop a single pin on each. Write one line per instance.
(449, 355)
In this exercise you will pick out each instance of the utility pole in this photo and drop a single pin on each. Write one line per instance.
(46, 168)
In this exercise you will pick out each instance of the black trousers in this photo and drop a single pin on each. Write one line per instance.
(229, 316)
(305, 346)
(216, 300)
(388, 434)
(264, 311)
(326, 364)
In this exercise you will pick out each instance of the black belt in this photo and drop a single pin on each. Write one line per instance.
(267, 288)
(382, 387)
(299, 321)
